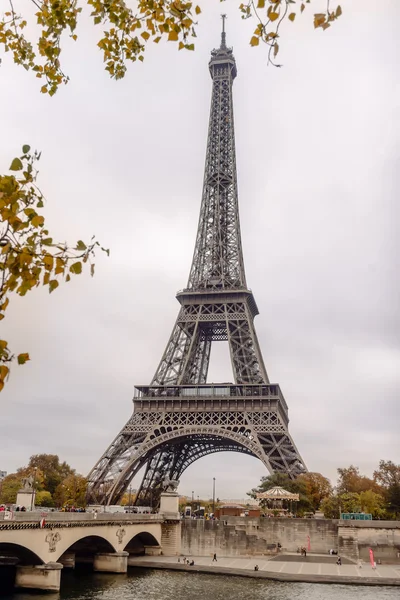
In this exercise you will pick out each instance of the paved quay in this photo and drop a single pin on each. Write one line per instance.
(312, 569)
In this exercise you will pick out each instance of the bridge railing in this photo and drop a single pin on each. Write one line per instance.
(53, 516)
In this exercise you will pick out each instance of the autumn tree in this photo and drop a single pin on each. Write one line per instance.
(44, 498)
(126, 28)
(9, 487)
(12, 483)
(351, 481)
(29, 256)
(54, 471)
(71, 491)
(317, 487)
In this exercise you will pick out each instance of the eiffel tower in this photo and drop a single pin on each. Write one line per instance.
(180, 417)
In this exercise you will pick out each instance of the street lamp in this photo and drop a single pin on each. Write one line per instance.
(213, 505)
(33, 487)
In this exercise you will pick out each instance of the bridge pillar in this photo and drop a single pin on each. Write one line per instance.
(171, 528)
(39, 577)
(67, 560)
(111, 562)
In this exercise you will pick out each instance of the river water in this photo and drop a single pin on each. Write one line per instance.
(146, 584)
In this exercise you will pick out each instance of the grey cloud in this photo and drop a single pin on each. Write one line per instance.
(318, 156)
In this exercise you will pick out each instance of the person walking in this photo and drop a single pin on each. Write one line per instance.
(214, 558)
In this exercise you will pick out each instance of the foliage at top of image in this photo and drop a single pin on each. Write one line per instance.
(29, 256)
(128, 26)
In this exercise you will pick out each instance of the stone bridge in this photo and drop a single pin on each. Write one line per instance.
(36, 551)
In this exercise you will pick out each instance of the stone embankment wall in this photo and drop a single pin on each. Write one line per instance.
(238, 536)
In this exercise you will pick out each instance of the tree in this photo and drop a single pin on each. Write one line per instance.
(372, 503)
(53, 471)
(388, 476)
(29, 257)
(317, 487)
(72, 491)
(348, 502)
(11, 484)
(126, 30)
(9, 488)
(44, 498)
(351, 481)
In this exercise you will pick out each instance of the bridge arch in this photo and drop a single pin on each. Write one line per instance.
(138, 543)
(87, 546)
(24, 555)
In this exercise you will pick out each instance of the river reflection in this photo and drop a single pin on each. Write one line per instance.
(146, 584)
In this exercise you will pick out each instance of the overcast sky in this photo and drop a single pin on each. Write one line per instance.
(319, 181)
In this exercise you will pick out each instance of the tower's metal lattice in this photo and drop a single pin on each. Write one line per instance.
(179, 418)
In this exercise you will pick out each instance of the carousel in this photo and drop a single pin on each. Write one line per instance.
(278, 501)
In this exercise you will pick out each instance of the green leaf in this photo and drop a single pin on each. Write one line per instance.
(22, 358)
(16, 165)
(25, 148)
(80, 245)
(76, 268)
(53, 284)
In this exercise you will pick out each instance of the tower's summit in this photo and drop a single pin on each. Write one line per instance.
(222, 57)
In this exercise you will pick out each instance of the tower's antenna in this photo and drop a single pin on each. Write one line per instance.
(223, 34)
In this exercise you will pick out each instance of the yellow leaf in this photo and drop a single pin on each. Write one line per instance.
(53, 285)
(3, 345)
(254, 41)
(145, 35)
(173, 36)
(276, 49)
(273, 16)
(338, 11)
(261, 4)
(59, 266)
(46, 278)
(319, 19)
(5, 304)
(37, 221)
(3, 372)
(197, 10)
(22, 358)
(48, 262)
(292, 17)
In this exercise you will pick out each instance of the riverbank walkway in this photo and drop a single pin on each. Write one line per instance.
(288, 567)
